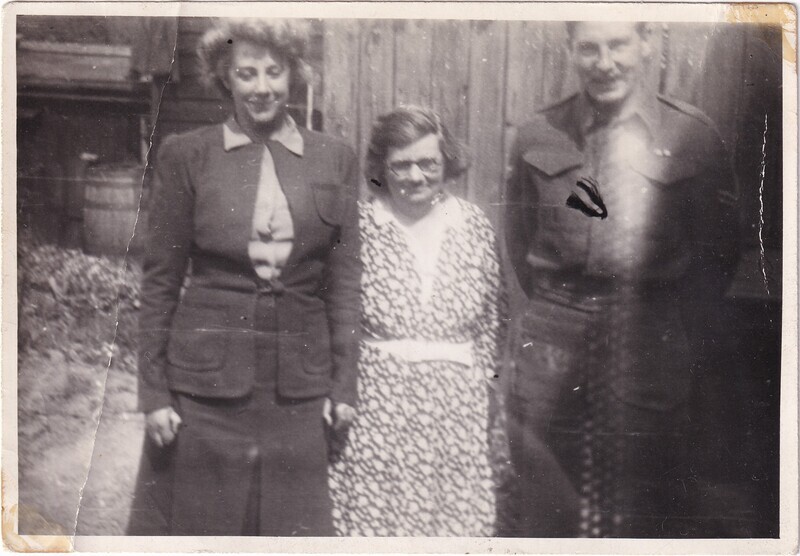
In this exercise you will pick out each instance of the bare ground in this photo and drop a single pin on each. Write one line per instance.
(80, 437)
(72, 473)
(76, 476)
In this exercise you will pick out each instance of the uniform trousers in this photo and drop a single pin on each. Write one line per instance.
(255, 465)
(598, 414)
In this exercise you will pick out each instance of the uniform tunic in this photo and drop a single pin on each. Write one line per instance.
(602, 363)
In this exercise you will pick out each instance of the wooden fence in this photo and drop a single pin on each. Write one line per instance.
(486, 77)
(184, 101)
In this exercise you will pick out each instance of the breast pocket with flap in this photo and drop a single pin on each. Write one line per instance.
(554, 174)
(669, 180)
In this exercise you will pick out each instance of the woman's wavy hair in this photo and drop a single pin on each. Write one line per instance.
(402, 127)
(286, 38)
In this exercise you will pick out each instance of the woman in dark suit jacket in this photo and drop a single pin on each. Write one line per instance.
(250, 303)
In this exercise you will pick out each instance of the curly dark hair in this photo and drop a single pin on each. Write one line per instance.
(403, 126)
(286, 38)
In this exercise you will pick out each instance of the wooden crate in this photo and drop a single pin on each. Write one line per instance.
(73, 61)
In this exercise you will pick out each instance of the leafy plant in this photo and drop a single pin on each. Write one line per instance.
(81, 305)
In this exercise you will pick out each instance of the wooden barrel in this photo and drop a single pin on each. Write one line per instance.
(111, 206)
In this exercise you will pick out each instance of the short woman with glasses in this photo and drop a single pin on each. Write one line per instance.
(416, 461)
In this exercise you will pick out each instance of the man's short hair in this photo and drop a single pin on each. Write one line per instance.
(641, 27)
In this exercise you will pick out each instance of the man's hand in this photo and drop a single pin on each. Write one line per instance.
(162, 426)
(339, 418)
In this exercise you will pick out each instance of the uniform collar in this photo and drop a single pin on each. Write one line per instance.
(641, 105)
(452, 212)
(288, 135)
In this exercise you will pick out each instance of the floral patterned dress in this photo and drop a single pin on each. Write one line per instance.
(416, 460)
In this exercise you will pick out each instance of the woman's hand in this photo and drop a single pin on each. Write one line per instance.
(339, 418)
(162, 426)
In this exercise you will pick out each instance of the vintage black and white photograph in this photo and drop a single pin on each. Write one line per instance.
(436, 272)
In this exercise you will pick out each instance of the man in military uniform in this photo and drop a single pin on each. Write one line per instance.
(621, 219)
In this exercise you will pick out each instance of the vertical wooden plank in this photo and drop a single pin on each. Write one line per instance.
(340, 83)
(486, 104)
(657, 60)
(450, 70)
(316, 53)
(686, 45)
(719, 89)
(523, 97)
(450, 82)
(704, 68)
(558, 77)
(523, 94)
(526, 51)
(413, 45)
(520, 85)
(375, 76)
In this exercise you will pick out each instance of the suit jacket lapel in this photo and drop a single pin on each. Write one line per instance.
(247, 169)
(289, 168)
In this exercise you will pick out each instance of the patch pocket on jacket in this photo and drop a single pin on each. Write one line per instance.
(197, 341)
(328, 198)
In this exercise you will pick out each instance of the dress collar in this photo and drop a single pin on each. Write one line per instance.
(452, 216)
(287, 135)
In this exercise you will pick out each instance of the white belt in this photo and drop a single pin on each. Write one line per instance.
(416, 351)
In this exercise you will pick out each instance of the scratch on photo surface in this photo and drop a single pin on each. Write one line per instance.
(763, 259)
(123, 269)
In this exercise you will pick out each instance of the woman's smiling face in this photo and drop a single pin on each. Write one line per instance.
(258, 80)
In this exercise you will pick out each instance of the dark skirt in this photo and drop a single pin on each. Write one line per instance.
(249, 466)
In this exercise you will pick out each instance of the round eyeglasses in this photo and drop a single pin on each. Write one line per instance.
(402, 168)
